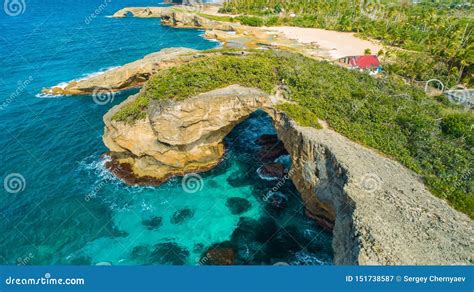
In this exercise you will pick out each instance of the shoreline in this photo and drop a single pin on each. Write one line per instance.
(311, 42)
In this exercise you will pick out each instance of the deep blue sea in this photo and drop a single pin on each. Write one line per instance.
(58, 205)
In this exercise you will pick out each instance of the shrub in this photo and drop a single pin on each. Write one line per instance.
(431, 138)
(251, 20)
(458, 125)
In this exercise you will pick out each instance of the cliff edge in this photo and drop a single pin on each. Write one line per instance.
(379, 211)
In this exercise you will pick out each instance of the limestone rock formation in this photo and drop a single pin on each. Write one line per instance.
(128, 76)
(135, 74)
(184, 16)
(179, 137)
(142, 12)
(382, 212)
(379, 211)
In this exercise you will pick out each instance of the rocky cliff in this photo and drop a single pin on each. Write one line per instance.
(382, 214)
(178, 137)
(379, 212)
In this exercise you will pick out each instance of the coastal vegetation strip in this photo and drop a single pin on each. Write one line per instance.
(441, 32)
(428, 135)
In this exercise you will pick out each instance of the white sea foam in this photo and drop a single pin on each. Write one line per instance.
(93, 74)
(63, 85)
(307, 259)
(285, 160)
(265, 177)
(47, 95)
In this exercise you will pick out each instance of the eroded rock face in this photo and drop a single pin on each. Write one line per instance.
(379, 211)
(128, 76)
(183, 16)
(179, 137)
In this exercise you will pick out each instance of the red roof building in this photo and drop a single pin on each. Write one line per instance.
(365, 62)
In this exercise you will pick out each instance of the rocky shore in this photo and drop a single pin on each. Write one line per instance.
(131, 75)
(231, 35)
(380, 213)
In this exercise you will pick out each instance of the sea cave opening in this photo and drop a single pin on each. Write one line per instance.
(280, 232)
(244, 211)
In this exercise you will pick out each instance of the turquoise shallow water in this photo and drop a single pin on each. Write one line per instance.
(66, 209)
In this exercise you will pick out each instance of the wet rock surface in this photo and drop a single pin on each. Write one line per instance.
(181, 216)
(273, 170)
(153, 223)
(237, 205)
(221, 254)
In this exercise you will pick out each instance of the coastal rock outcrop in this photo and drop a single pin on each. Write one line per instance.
(380, 213)
(184, 16)
(179, 137)
(128, 76)
(229, 34)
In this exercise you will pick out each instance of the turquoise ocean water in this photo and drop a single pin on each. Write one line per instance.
(58, 204)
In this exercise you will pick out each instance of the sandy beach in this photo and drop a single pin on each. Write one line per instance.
(338, 44)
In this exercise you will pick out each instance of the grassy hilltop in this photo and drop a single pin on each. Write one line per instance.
(430, 136)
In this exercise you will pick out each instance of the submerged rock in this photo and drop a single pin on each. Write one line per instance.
(238, 179)
(277, 200)
(153, 223)
(270, 152)
(237, 205)
(182, 215)
(81, 261)
(169, 253)
(272, 171)
(267, 139)
(140, 253)
(219, 255)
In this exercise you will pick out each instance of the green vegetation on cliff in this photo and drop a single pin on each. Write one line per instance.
(442, 32)
(433, 138)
